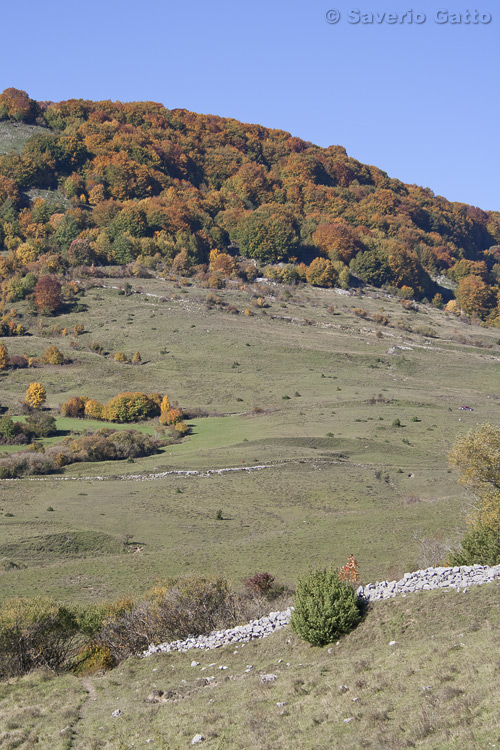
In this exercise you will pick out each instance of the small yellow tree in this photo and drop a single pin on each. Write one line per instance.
(53, 356)
(165, 404)
(4, 357)
(136, 359)
(35, 395)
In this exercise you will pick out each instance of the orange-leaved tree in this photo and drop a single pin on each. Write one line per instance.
(47, 294)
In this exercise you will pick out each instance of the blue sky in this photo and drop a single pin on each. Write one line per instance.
(421, 101)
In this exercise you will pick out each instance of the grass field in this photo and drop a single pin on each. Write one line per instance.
(309, 391)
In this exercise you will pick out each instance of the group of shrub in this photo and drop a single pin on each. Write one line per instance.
(103, 445)
(127, 407)
(37, 424)
(51, 356)
(38, 632)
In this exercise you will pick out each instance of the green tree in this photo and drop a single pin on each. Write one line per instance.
(325, 607)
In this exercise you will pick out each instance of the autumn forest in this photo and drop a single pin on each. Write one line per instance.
(138, 185)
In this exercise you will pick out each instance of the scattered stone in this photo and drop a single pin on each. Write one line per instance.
(393, 643)
(197, 739)
(195, 663)
(117, 713)
(343, 689)
(346, 721)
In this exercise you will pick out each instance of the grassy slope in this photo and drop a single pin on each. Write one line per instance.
(437, 688)
(368, 489)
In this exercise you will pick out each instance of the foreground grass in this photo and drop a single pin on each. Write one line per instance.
(435, 688)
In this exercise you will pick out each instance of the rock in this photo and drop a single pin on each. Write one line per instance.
(197, 739)
(117, 713)
(195, 663)
(268, 678)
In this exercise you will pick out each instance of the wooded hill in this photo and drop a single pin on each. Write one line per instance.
(89, 183)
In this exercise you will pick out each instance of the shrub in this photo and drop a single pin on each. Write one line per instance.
(260, 583)
(480, 545)
(181, 428)
(130, 407)
(39, 424)
(360, 312)
(18, 361)
(325, 607)
(172, 416)
(53, 356)
(194, 605)
(74, 407)
(350, 571)
(93, 409)
(35, 395)
(136, 359)
(120, 357)
(34, 633)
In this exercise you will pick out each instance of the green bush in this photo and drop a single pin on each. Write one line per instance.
(325, 607)
(480, 546)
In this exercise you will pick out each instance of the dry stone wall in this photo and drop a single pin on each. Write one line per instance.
(458, 578)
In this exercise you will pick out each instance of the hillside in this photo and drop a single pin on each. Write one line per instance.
(163, 188)
(435, 688)
(303, 340)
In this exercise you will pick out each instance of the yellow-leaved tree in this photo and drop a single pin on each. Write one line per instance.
(35, 395)
(4, 357)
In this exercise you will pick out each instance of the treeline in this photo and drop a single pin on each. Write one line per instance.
(165, 188)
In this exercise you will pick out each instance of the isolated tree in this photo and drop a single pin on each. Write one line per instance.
(35, 395)
(53, 356)
(4, 356)
(47, 294)
(325, 607)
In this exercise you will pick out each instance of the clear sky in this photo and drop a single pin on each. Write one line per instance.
(419, 100)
